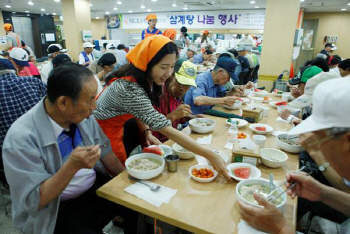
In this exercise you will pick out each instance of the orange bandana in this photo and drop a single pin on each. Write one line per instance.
(151, 16)
(144, 52)
(170, 33)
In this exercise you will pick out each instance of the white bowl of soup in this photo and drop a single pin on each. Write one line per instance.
(202, 125)
(144, 166)
(245, 192)
(182, 152)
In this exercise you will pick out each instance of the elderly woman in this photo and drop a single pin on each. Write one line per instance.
(133, 90)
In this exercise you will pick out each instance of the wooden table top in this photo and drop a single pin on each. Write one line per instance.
(204, 207)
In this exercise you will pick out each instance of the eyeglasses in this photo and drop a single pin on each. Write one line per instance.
(152, 20)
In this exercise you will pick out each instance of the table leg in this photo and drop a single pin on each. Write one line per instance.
(141, 224)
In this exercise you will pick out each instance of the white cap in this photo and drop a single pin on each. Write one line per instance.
(331, 102)
(110, 45)
(305, 99)
(333, 47)
(193, 48)
(220, 50)
(20, 56)
(88, 45)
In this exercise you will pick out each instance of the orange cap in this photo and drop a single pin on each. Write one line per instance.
(144, 52)
(151, 16)
(170, 33)
(8, 27)
(205, 32)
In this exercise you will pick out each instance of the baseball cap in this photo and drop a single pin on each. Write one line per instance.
(328, 45)
(186, 75)
(20, 56)
(306, 99)
(110, 45)
(179, 44)
(193, 48)
(333, 47)
(88, 45)
(241, 48)
(229, 65)
(304, 74)
(331, 101)
(220, 50)
(107, 59)
(6, 64)
(54, 48)
(60, 59)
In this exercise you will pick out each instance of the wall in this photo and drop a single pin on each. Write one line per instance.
(99, 29)
(2, 31)
(332, 24)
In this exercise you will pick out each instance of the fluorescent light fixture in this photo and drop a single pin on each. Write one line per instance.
(57, 0)
(30, 3)
(8, 6)
(185, 7)
(130, 11)
(349, 4)
(252, 2)
(143, 6)
(302, 0)
(153, 0)
(149, 10)
(54, 13)
(257, 7)
(47, 14)
(174, 5)
(343, 9)
(119, 2)
(97, 17)
(13, 12)
(91, 5)
(26, 11)
(42, 9)
(115, 8)
(107, 13)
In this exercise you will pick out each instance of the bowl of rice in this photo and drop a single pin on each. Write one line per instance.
(144, 166)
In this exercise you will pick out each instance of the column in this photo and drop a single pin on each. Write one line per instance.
(2, 30)
(281, 17)
(76, 17)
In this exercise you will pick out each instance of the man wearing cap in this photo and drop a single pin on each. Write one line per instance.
(179, 45)
(326, 133)
(151, 30)
(86, 57)
(54, 50)
(19, 58)
(13, 39)
(121, 55)
(210, 90)
(204, 58)
(18, 95)
(173, 91)
(327, 49)
(190, 53)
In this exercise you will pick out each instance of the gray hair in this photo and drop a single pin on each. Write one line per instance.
(337, 131)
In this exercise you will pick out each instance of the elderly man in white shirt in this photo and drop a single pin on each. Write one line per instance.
(86, 56)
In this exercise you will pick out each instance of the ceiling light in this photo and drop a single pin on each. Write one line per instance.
(174, 5)
(257, 7)
(30, 3)
(54, 13)
(302, 0)
(119, 2)
(97, 17)
(343, 9)
(91, 5)
(153, 0)
(107, 12)
(28, 14)
(143, 7)
(149, 10)
(252, 2)
(13, 12)
(115, 8)
(185, 7)
(47, 14)
(42, 9)
(349, 4)
(57, 0)
(26, 11)
(130, 11)
(8, 6)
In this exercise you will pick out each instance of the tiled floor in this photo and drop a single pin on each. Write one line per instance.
(6, 227)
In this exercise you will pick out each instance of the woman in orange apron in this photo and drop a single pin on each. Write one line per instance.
(134, 90)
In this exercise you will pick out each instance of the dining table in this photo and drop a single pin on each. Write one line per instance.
(206, 207)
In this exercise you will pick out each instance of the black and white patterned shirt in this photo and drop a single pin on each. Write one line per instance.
(126, 97)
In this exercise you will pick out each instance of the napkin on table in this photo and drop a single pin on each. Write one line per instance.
(163, 195)
(201, 160)
(279, 119)
(244, 228)
(205, 140)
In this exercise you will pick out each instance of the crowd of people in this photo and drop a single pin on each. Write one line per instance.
(67, 129)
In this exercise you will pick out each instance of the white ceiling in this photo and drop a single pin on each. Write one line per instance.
(100, 7)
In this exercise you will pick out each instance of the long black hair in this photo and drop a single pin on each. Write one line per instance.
(144, 79)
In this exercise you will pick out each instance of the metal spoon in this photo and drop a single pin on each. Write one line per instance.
(153, 188)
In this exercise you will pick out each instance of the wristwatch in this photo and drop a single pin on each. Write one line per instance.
(323, 167)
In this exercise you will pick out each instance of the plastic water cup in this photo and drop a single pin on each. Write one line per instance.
(259, 140)
(285, 97)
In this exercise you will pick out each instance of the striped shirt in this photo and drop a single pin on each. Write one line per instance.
(126, 97)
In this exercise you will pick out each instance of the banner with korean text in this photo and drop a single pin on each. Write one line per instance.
(232, 19)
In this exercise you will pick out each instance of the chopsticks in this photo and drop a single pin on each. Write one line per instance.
(269, 196)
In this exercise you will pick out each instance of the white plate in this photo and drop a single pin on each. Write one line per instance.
(267, 101)
(241, 122)
(268, 128)
(203, 180)
(254, 171)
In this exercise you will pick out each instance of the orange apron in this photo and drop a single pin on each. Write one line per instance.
(150, 34)
(113, 127)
